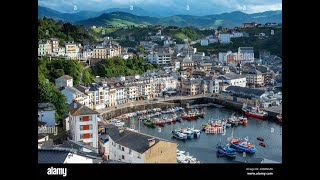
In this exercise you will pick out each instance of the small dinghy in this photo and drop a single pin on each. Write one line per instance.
(260, 138)
(262, 144)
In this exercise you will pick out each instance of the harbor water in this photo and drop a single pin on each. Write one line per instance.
(204, 148)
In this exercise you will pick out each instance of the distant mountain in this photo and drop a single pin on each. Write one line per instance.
(82, 15)
(226, 19)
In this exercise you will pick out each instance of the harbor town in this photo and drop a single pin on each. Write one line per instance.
(136, 93)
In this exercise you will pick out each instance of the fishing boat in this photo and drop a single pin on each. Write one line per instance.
(196, 133)
(188, 132)
(158, 122)
(260, 138)
(262, 144)
(279, 117)
(243, 120)
(178, 119)
(255, 112)
(189, 116)
(242, 145)
(226, 151)
(148, 123)
(179, 135)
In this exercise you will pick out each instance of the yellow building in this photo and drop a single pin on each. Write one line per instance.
(134, 147)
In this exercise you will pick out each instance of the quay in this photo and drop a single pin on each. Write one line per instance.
(112, 112)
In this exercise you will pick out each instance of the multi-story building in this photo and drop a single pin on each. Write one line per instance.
(204, 42)
(72, 49)
(54, 45)
(131, 92)
(112, 96)
(224, 38)
(134, 147)
(159, 58)
(232, 79)
(61, 51)
(187, 62)
(73, 94)
(98, 96)
(191, 87)
(64, 81)
(83, 123)
(121, 94)
(253, 77)
(100, 52)
(44, 47)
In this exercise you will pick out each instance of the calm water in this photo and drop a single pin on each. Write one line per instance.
(204, 148)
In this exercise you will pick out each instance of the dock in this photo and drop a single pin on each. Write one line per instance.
(274, 110)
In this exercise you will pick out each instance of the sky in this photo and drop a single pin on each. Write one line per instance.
(166, 7)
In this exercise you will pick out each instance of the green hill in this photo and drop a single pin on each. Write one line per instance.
(226, 19)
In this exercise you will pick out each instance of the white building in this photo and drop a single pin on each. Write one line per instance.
(54, 45)
(72, 50)
(224, 38)
(87, 54)
(46, 113)
(83, 124)
(98, 96)
(61, 51)
(204, 42)
(121, 94)
(213, 86)
(73, 94)
(133, 147)
(236, 34)
(232, 79)
(159, 58)
(44, 47)
(64, 81)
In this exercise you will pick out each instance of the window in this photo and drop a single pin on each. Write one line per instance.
(130, 151)
(122, 148)
(122, 157)
(86, 136)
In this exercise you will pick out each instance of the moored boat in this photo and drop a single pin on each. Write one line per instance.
(242, 145)
(226, 151)
(255, 112)
(148, 123)
(262, 144)
(279, 117)
(260, 138)
(179, 135)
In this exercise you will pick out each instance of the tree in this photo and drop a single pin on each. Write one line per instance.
(47, 92)
(87, 76)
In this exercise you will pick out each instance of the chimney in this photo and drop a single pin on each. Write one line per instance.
(151, 142)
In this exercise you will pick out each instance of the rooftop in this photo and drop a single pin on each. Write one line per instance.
(77, 109)
(136, 141)
(73, 90)
(46, 107)
(66, 77)
(245, 90)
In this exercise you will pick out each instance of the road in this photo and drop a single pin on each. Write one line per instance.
(82, 73)
(160, 99)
